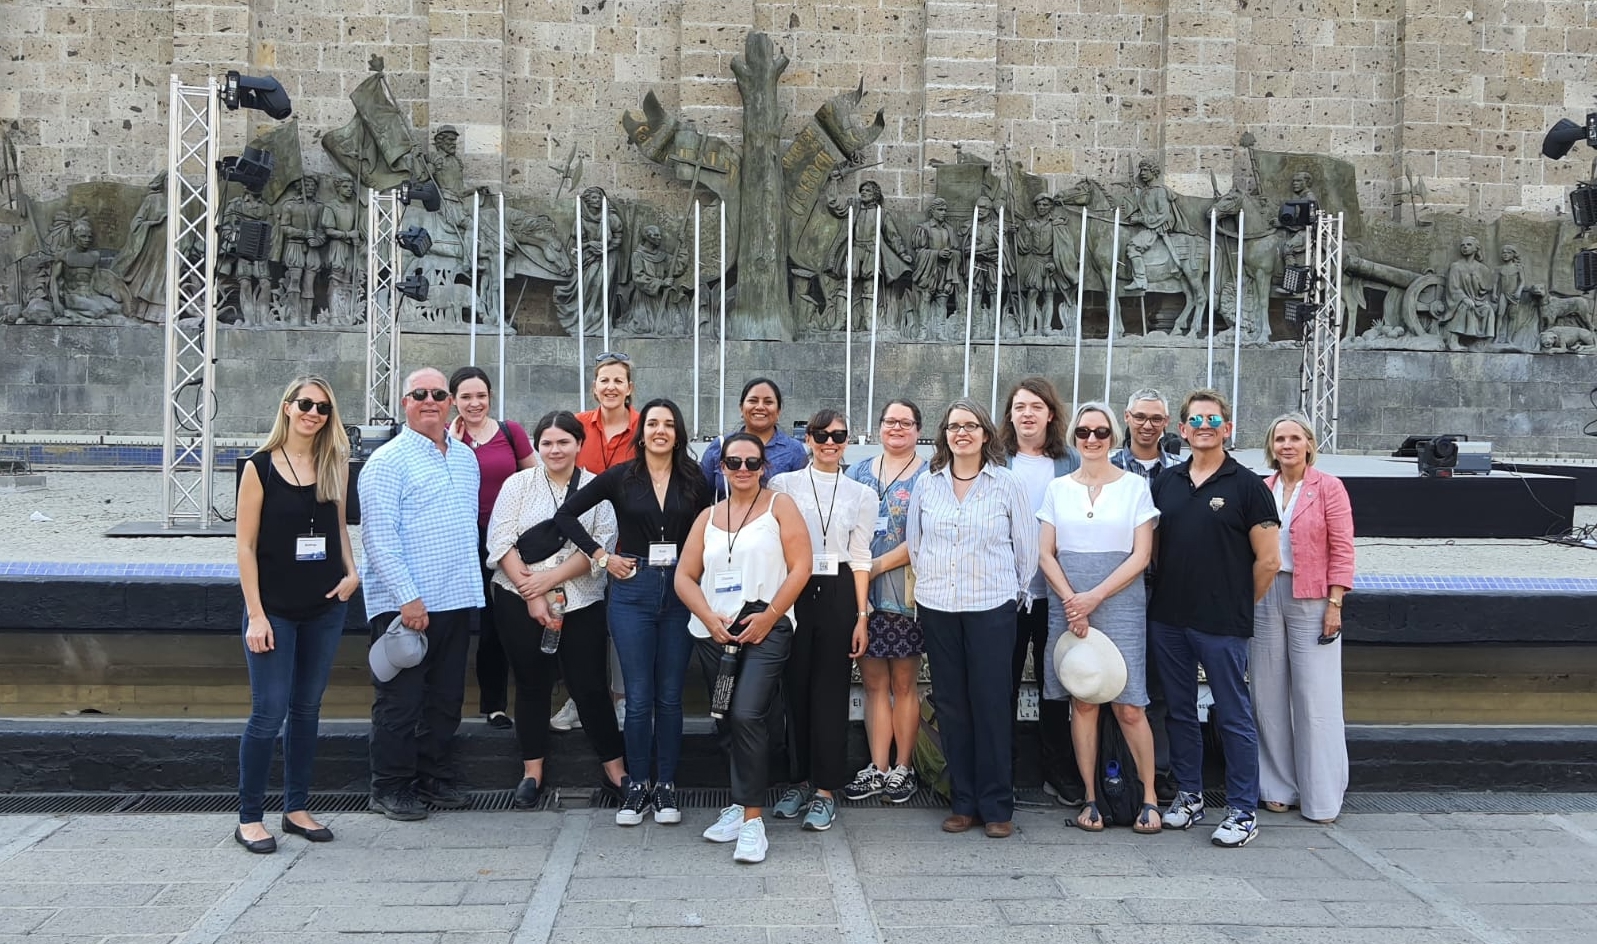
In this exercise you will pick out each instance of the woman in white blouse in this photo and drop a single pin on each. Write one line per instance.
(841, 516)
(523, 592)
(1095, 540)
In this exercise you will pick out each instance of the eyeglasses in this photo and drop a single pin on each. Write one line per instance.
(306, 404)
(1142, 419)
(962, 428)
(1215, 421)
(838, 436)
(738, 463)
(899, 424)
(615, 356)
(420, 396)
(1095, 432)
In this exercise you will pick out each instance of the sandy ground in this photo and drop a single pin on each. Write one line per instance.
(82, 505)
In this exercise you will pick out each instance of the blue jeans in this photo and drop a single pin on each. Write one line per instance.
(650, 628)
(970, 657)
(1177, 650)
(286, 684)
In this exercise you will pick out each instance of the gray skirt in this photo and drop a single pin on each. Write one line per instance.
(1123, 618)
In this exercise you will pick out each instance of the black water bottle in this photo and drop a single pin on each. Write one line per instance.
(726, 673)
(557, 621)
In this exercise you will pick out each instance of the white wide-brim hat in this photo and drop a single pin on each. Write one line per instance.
(1091, 668)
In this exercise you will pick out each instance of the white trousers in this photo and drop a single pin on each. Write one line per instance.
(1297, 700)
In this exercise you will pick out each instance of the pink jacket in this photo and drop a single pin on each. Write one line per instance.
(1321, 536)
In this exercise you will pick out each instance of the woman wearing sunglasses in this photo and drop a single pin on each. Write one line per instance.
(1094, 543)
(841, 516)
(297, 573)
(742, 567)
(656, 496)
(761, 406)
(972, 539)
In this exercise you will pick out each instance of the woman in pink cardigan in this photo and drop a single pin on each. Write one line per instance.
(1296, 660)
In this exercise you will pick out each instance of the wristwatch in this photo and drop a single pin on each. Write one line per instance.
(603, 560)
(1335, 603)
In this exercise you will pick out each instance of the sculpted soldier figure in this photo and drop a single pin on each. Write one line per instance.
(896, 258)
(1153, 212)
(345, 250)
(936, 274)
(299, 239)
(985, 241)
(1035, 269)
(251, 279)
(1471, 312)
(1295, 244)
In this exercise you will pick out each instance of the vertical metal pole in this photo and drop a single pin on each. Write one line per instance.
(582, 321)
(848, 316)
(698, 282)
(1081, 299)
(970, 296)
(604, 268)
(1208, 372)
(1337, 313)
(876, 291)
(476, 207)
(1114, 309)
(501, 379)
(998, 311)
(721, 417)
(1236, 333)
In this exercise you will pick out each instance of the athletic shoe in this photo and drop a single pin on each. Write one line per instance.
(1236, 831)
(901, 784)
(1185, 811)
(866, 784)
(1072, 795)
(726, 828)
(441, 793)
(822, 811)
(402, 806)
(752, 845)
(621, 714)
(635, 805)
(665, 805)
(566, 718)
(793, 802)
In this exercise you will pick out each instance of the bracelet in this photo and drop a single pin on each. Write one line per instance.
(1335, 603)
(862, 614)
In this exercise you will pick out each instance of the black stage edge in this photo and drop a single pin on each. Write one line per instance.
(1585, 476)
(1464, 506)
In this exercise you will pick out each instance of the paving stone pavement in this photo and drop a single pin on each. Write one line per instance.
(880, 875)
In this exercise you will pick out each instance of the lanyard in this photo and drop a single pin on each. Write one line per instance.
(887, 486)
(826, 523)
(732, 538)
(290, 463)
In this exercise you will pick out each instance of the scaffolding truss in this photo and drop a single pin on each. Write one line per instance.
(188, 444)
(382, 307)
(1322, 337)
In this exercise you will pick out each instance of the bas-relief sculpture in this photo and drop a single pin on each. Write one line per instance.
(796, 268)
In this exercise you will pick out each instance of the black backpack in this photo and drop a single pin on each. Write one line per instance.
(1119, 790)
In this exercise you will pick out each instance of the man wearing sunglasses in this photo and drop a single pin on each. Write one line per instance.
(1216, 552)
(418, 501)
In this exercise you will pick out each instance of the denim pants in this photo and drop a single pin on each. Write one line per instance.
(416, 713)
(1177, 650)
(286, 685)
(650, 628)
(970, 655)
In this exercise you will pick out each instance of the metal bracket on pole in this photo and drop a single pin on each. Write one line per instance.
(1322, 339)
(382, 307)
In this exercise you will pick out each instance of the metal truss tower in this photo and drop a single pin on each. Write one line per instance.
(382, 307)
(1322, 338)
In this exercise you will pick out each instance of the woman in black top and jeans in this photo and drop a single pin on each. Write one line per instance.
(296, 571)
(656, 496)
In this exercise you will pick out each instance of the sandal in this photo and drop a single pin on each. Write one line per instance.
(1089, 818)
(1144, 826)
(1275, 807)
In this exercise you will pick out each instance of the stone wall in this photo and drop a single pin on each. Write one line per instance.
(109, 380)
(1458, 92)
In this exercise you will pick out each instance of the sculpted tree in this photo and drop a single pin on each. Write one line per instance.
(762, 304)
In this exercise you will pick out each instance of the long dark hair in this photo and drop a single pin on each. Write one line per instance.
(1054, 441)
(682, 465)
(992, 453)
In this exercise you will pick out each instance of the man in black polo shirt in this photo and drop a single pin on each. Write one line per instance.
(1218, 550)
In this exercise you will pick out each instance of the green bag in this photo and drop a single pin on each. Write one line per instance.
(931, 767)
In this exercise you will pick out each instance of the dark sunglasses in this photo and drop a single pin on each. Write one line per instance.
(306, 404)
(420, 396)
(1215, 421)
(615, 356)
(738, 463)
(1096, 432)
(839, 436)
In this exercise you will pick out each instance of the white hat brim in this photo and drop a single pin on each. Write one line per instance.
(1090, 668)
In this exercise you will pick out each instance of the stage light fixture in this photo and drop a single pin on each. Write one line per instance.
(426, 191)
(413, 286)
(1296, 279)
(415, 240)
(1298, 214)
(262, 93)
(1586, 270)
(1300, 313)
(253, 169)
(250, 240)
(1583, 205)
(1564, 135)
(1438, 457)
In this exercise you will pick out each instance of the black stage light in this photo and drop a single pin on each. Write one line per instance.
(1564, 135)
(253, 169)
(1438, 457)
(1586, 270)
(415, 240)
(1299, 313)
(413, 286)
(260, 94)
(250, 240)
(426, 191)
(1583, 205)
(1296, 279)
(1298, 214)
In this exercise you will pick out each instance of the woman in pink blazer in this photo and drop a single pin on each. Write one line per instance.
(1296, 659)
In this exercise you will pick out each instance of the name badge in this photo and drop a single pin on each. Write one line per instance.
(662, 555)
(728, 581)
(825, 565)
(881, 524)
(310, 547)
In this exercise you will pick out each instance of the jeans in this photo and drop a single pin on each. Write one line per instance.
(416, 713)
(650, 628)
(1177, 650)
(969, 655)
(286, 685)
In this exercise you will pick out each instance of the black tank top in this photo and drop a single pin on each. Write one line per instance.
(291, 588)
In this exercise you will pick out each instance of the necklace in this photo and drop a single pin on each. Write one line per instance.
(961, 478)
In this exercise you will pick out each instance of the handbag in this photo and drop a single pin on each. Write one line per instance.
(544, 539)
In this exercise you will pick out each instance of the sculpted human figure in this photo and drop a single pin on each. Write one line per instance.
(1295, 244)
(654, 286)
(936, 274)
(985, 241)
(77, 294)
(250, 280)
(1035, 269)
(1518, 322)
(1471, 311)
(299, 240)
(345, 250)
(896, 258)
(590, 267)
(1153, 211)
(142, 263)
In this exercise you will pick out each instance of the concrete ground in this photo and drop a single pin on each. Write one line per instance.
(879, 875)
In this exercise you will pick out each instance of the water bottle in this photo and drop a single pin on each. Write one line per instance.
(557, 620)
(1115, 799)
(726, 673)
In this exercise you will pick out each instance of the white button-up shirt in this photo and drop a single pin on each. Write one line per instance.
(976, 554)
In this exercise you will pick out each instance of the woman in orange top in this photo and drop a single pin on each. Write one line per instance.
(613, 424)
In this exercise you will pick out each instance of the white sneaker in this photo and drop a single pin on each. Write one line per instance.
(1185, 811)
(1238, 830)
(566, 718)
(621, 714)
(726, 828)
(752, 845)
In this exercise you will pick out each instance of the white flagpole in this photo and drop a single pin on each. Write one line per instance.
(721, 419)
(1236, 332)
(604, 267)
(970, 296)
(501, 295)
(998, 311)
(1081, 299)
(876, 291)
(476, 200)
(698, 282)
(1208, 376)
(1114, 309)
(582, 320)
(848, 317)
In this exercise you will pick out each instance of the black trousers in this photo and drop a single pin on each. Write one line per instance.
(493, 690)
(747, 725)
(1057, 752)
(967, 654)
(583, 658)
(816, 682)
(416, 713)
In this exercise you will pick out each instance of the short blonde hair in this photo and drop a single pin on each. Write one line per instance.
(1308, 434)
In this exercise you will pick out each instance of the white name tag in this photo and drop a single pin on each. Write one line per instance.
(881, 524)
(728, 581)
(825, 565)
(662, 555)
(310, 547)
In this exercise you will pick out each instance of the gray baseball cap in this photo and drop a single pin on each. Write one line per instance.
(395, 650)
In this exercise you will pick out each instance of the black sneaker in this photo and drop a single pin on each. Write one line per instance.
(443, 794)
(403, 806)
(1164, 787)
(666, 812)
(1065, 794)
(635, 805)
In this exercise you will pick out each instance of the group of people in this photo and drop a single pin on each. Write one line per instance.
(775, 569)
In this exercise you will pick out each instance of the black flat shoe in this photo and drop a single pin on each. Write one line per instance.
(500, 720)
(265, 846)
(319, 834)
(527, 792)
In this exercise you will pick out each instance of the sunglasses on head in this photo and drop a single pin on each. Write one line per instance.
(420, 396)
(838, 436)
(615, 356)
(306, 404)
(1215, 421)
(1094, 432)
(738, 463)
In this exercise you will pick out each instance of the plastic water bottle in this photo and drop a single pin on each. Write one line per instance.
(557, 620)
(726, 673)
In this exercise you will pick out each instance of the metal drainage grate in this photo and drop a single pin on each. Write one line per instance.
(715, 798)
(349, 802)
(58, 803)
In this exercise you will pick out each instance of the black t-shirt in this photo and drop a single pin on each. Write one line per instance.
(1205, 563)
(290, 588)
